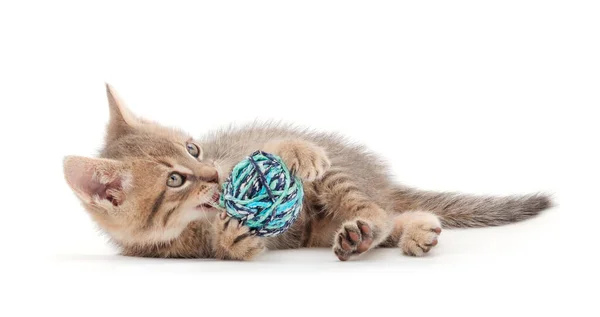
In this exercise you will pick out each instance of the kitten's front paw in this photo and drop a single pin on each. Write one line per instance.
(234, 241)
(305, 159)
(420, 235)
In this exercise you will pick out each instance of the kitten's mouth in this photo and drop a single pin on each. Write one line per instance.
(212, 203)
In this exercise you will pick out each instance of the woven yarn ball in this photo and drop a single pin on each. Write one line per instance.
(262, 194)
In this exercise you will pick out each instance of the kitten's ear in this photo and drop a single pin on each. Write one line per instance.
(101, 181)
(122, 121)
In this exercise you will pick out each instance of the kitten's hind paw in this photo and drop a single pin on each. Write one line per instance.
(420, 234)
(355, 237)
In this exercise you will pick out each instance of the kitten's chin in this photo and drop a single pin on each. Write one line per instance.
(207, 209)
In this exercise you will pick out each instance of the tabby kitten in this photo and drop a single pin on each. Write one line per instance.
(151, 190)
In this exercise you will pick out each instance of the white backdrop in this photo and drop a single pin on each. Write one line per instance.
(484, 97)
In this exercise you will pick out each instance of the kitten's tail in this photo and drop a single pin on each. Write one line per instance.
(459, 210)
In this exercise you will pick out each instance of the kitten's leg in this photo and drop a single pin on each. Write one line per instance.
(364, 223)
(367, 226)
(233, 241)
(415, 232)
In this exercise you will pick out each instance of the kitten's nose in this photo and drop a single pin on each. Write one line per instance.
(209, 174)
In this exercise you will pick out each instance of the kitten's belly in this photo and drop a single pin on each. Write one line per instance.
(307, 232)
(322, 233)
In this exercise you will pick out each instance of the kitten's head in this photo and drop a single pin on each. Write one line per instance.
(148, 185)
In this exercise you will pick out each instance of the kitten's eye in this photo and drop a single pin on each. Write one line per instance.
(193, 149)
(175, 180)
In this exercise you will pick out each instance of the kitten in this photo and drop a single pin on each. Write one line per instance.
(151, 190)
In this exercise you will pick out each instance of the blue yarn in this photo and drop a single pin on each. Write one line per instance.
(262, 194)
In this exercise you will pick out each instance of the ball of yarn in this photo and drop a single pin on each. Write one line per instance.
(262, 194)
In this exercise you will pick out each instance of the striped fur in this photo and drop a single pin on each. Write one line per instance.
(459, 210)
(351, 202)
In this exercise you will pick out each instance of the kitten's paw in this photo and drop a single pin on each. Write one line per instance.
(355, 237)
(234, 241)
(420, 234)
(304, 159)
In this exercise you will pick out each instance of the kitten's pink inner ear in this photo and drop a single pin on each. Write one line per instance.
(91, 178)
